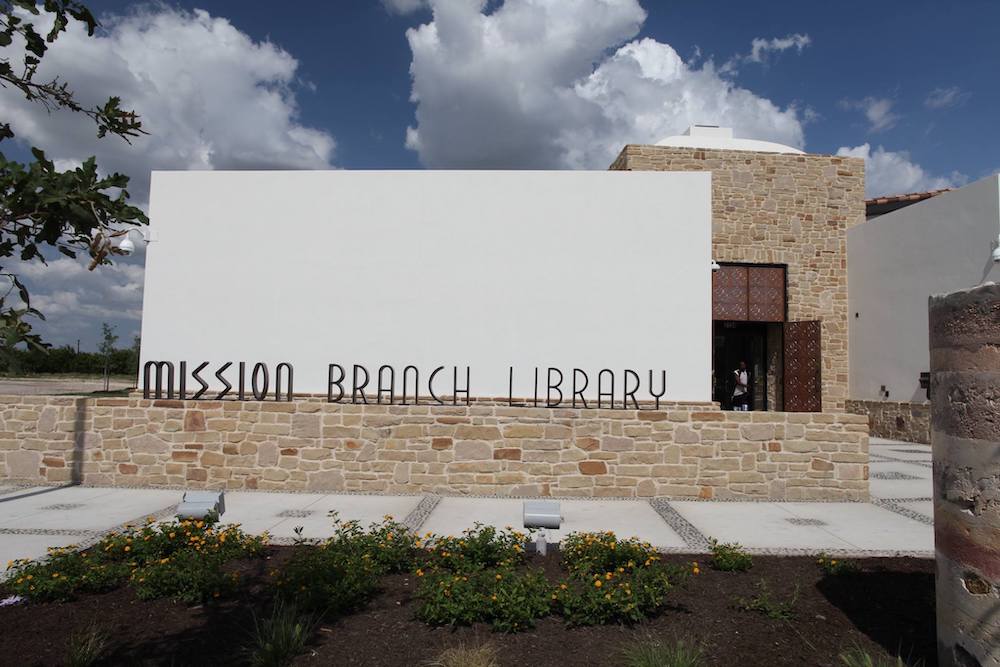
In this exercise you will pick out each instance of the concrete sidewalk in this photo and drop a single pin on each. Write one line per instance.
(898, 521)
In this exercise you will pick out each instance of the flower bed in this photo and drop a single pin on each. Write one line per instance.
(184, 593)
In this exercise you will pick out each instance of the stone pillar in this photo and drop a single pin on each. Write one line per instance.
(965, 437)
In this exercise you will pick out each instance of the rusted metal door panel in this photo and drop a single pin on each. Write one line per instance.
(803, 384)
(729, 293)
(766, 293)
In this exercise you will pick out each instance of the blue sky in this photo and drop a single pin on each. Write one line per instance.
(908, 85)
(356, 54)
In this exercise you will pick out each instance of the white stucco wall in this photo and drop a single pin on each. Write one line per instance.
(895, 262)
(483, 269)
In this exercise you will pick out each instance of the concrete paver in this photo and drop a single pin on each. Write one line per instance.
(758, 526)
(77, 508)
(30, 546)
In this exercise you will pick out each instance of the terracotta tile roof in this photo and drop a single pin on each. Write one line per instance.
(886, 204)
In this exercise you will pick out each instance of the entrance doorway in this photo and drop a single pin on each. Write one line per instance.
(733, 342)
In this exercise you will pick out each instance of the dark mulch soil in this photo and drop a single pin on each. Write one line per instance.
(887, 608)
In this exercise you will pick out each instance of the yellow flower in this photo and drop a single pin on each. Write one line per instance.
(128, 548)
(597, 584)
(499, 577)
(555, 597)
(607, 576)
(697, 570)
(833, 562)
(562, 586)
(420, 573)
(55, 575)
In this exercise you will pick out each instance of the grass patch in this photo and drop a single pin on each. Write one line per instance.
(467, 656)
(764, 603)
(278, 638)
(658, 653)
(86, 646)
(858, 657)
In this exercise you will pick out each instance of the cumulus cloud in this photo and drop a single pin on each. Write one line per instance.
(210, 97)
(532, 85)
(404, 6)
(894, 172)
(760, 48)
(75, 301)
(942, 98)
(878, 111)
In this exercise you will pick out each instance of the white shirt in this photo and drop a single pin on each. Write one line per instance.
(741, 383)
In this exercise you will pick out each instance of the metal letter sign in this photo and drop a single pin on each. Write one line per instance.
(159, 379)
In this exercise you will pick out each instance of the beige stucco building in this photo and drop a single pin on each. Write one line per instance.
(779, 234)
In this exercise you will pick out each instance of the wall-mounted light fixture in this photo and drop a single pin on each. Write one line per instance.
(715, 265)
(996, 250)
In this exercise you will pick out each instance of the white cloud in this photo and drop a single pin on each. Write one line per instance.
(894, 173)
(211, 98)
(75, 301)
(531, 85)
(942, 98)
(878, 111)
(760, 47)
(404, 6)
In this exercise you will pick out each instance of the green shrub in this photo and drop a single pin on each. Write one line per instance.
(278, 638)
(481, 547)
(389, 545)
(836, 567)
(509, 600)
(586, 553)
(186, 576)
(730, 557)
(613, 597)
(327, 578)
(781, 610)
(137, 555)
(658, 653)
(341, 573)
(86, 646)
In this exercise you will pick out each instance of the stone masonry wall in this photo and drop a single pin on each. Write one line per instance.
(772, 208)
(965, 439)
(682, 450)
(910, 422)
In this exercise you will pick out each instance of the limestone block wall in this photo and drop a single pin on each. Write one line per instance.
(896, 420)
(681, 450)
(772, 208)
(965, 438)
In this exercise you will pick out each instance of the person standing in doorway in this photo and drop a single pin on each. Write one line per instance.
(741, 394)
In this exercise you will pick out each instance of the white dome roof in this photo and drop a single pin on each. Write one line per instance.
(721, 138)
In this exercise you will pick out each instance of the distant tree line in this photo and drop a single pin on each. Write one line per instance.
(66, 360)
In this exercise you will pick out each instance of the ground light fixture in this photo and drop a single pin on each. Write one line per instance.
(541, 514)
(201, 504)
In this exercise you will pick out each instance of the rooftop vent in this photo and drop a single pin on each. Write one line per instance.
(709, 131)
